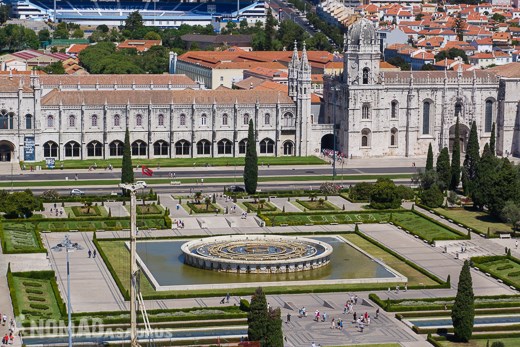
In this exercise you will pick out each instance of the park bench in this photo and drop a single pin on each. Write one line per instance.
(175, 183)
(505, 236)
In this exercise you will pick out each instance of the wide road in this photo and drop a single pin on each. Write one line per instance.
(205, 172)
(189, 188)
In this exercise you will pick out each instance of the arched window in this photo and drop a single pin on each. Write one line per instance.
(267, 146)
(366, 72)
(426, 117)
(6, 120)
(160, 120)
(28, 121)
(50, 121)
(117, 120)
(116, 148)
(395, 109)
(139, 120)
(204, 119)
(203, 147)
(94, 149)
(488, 119)
(224, 146)
(288, 119)
(267, 119)
(242, 146)
(139, 148)
(182, 119)
(72, 149)
(365, 111)
(458, 109)
(365, 137)
(393, 137)
(94, 120)
(182, 147)
(50, 149)
(246, 119)
(288, 148)
(72, 121)
(160, 148)
(225, 119)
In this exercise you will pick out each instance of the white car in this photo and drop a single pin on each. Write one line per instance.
(142, 183)
(76, 192)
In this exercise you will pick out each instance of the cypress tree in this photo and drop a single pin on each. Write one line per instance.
(429, 158)
(492, 140)
(251, 164)
(127, 170)
(471, 161)
(274, 337)
(443, 168)
(463, 311)
(455, 159)
(257, 318)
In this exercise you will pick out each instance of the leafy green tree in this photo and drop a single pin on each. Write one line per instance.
(485, 180)
(463, 311)
(103, 28)
(251, 162)
(318, 42)
(19, 204)
(155, 60)
(385, 195)
(511, 214)
(55, 68)
(471, 161)
(257, 318)
(61, 34)
(443, 168)
(432, 197)
(361, 191)
(452, 53)
(497, 17)
(455, 159)
(429, 158)
(400, 63)
(78, 34)
(428, 67)
(127, 170)
(134, 21)
(44, 35)
(270, 24)
(274, 334)
(492, 141)
(498, 344)
(152, 35)
(428, 179)
(4, 14)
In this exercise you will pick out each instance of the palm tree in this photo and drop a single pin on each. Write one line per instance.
(88, 205)
(261, 203)
(198, 195)
(208, 202)
(321, 201)
(313, 196)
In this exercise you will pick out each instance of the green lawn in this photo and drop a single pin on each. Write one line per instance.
(104, 224)
(324, 218)
(147, 209)
(423, 227)
(477, 220)
(202, 207)
(500, 267)
(415, 278)
(82, 211)
(508, 342)
(181, 162)
(254, 206)
(316, 205)
(20, 238)
(35, 298)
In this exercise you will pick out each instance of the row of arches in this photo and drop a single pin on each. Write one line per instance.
(72, 149)
(287, 119)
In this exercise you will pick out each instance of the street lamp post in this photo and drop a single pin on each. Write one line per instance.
(68, 246)
(132, 188)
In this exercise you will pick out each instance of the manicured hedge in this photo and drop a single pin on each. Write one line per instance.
(277, 193)
(211, 208)
(480, 262)
(463, 235)
(99, 198)
(267, 206)
(39, 249)
(391, 305)
(429, 209)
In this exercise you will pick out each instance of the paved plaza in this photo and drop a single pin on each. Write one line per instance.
(94, 289)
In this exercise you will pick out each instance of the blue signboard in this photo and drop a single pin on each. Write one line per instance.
(29, 149)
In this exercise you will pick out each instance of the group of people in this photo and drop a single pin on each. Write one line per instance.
(178, 223)
(8, 337)
(56, 211)
(92, 254)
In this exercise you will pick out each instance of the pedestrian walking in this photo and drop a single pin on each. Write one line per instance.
(227, 298)
(516, 244)
(89, 253)
(94, 254)
(288, 318)
(377, 313)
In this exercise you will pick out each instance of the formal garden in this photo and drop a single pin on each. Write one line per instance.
(20, 238)
(505, 268)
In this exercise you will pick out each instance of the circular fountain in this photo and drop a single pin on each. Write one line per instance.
(257, 253)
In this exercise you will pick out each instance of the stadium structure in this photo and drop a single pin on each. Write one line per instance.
(165, 14)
